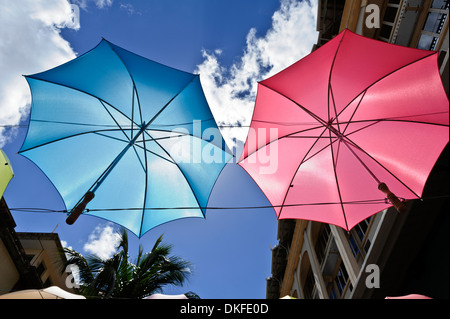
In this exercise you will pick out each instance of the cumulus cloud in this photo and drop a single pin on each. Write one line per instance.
(128, 8)
(99, 3)
(102, 242)
(231, 91)
(30, 42)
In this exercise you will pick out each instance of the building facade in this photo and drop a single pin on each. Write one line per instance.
(388, 254)
(30, 260)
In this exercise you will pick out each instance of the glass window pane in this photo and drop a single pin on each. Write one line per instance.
(440, 4)
(435, 22)
(390, 14)
(385, 31)
(426, 42)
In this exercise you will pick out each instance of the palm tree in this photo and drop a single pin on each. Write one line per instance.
(117, 277)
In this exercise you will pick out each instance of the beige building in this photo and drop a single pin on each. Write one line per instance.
(29, 260)
(389, 254)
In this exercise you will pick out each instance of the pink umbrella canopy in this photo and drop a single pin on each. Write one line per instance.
(163, 296)
(411, 296)
(354, 117)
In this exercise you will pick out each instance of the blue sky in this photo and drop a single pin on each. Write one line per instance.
(232, 44)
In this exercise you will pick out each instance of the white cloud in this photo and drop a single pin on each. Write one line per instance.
(103, 3)
(30, 42)
(65, 245)
(99, 3)
(102, 242)
(128, 8)
(231, 92)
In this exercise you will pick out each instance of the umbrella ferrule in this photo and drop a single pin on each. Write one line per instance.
(395, 201)
(78, 210)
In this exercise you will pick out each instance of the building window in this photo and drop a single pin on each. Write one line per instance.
(309, 285)
(358, 239)
(40, 268)
(440, 4)
(47, 283)
(341, 279)
(388, 23)
(434, 25)
(390, 14)
(341, 285)
(322, 242)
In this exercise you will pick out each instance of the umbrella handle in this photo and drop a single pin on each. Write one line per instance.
(76, 212)
(397, 203)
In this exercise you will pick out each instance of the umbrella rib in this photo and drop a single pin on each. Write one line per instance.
(173, 98)
(282, 123)
(103, 176)
(373, 122)
(385, 76)
(290, 135)
(314, 116)
(181, 171)
(330, 90)
(146, 183)
(132, 112)
(181, 124)
(354, 111)
(181, 134)
(117, 123)
(370, 123)
(72, 123)
(123, 141)
(76, 89)
(137, 94)
(305, 159)
(84, 124)
(112, 137)
(337, 183)
(399, 119)
(331, 119)
(116, 160)
(381, 165)
(132, 80)
(298, 167)
(67, 137)
(148, 151)
(144, 167)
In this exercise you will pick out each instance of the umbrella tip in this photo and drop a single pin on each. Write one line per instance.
(395, 201)
(78, 210)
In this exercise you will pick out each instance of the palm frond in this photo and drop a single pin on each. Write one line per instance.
(118, 277)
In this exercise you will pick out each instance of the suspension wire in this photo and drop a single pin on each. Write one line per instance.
(361, 202)
(223, 125)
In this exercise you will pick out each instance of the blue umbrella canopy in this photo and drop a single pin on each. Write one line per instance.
(135, 133)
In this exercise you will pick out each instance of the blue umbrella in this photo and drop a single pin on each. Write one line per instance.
(130, 138)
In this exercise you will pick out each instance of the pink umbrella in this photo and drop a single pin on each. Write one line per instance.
(352, 118)
(411, 296)
(163, 296)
